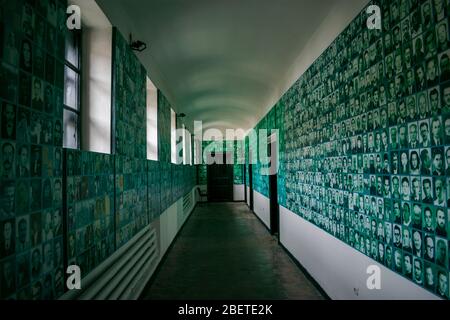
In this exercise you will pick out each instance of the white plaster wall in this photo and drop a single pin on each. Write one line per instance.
(96, 77)
(338, 268)
(170, 224)
(238, 192)
(152, 121)
(96, 90)
(248, 195)
(261, 207)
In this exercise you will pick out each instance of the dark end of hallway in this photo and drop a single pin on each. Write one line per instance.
(225, 252)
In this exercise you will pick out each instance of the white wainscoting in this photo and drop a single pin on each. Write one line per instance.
(339, 269)
(238, 192)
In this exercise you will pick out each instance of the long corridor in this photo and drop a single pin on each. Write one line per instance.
(224, 252)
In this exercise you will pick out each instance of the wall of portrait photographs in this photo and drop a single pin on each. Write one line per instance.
(131, 198)
(144, 189)
(108, 199)
(166, 185)
(238, 168)
(367, 141)
(164, 154)
(247, 157)
(279, 125)
(89, 208)
(183, 179)
(273, 120)
(260, 182)
(154, 189)
(31, 95)
(130, 94)
(177, 181)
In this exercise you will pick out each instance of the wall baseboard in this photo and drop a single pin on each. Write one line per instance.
(340, 269)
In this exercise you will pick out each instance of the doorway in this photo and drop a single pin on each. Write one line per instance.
(273, 186)
(274, 209)
(220, 182)
(250, 184)
(245, 184)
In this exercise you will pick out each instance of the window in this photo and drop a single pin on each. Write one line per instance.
(186, 146)
(197, 152)
(189, 147)
(72, 81)
(183, 143)
(173, 136)
(152, 121)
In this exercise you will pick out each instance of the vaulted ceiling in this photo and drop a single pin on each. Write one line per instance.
(224, 62)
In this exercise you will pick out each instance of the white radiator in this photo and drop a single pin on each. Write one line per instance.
(124, 275)
(187, 202)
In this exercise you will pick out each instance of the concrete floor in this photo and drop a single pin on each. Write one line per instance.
(224, 252)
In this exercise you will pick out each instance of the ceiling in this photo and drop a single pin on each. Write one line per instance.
(224, 62)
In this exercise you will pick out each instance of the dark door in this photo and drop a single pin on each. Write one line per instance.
(250, 184)
(274, 209)
(220, 182)
(245, 183)
(273, 194)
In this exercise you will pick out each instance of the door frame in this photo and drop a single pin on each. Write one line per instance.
(250, 180)
(225, 158)
(245, 183)
(274, 208)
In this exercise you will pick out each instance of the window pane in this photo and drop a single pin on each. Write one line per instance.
(72, 48)
(152, 121)
(173, 138)
(71, 138)
(71, 88)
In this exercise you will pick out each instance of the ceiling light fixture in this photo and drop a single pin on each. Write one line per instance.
(137, 45)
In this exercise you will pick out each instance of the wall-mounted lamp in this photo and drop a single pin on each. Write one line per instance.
(137, 45)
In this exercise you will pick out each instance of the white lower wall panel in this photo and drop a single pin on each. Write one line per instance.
(238, 192)
(338, 268)
(170, 224)
(248, 196)
(261, 207)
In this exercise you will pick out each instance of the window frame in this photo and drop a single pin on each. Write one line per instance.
(78, 71)
(150, 87)
(173, 136)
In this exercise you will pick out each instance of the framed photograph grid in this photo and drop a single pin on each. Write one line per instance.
(31, 91)
(166, 185)
(164, 153)
(154, 189)
(129, 101)
(89, 208)
(131, 210)
(366, 141)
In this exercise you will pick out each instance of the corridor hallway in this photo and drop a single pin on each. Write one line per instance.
(225, 252)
